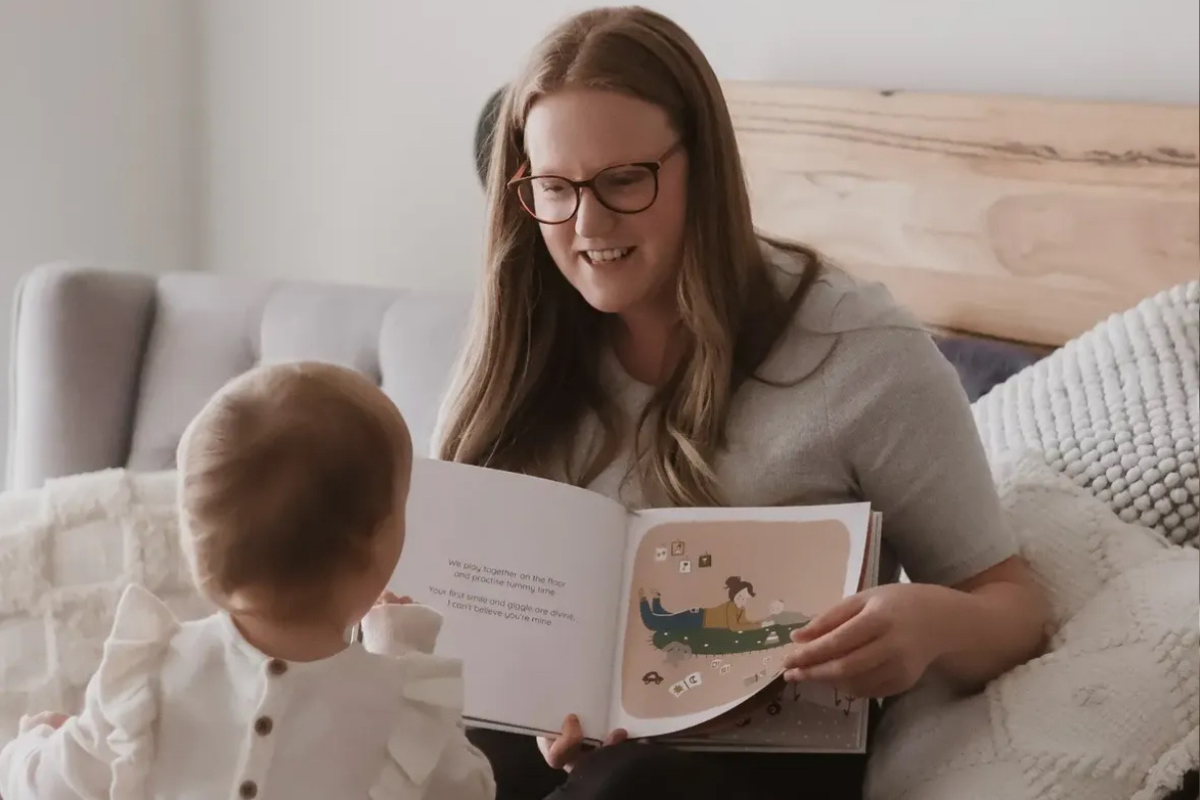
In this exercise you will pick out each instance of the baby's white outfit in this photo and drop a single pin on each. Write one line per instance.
(191, 711)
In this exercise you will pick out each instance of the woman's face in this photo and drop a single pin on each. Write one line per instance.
(620, 263)
(741, 598)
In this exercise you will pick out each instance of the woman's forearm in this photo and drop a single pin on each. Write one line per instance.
(987, 630)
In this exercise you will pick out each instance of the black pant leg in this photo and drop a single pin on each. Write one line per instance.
(636, 771)
(633, 771)
(786, 776)
(521, 772)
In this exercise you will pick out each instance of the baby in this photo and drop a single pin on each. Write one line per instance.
(778, 616)
(293, 485)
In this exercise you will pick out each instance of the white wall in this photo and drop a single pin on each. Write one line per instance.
(340, 133)
(98, 123)
(333, 139)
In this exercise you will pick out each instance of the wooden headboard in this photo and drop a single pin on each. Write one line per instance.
(1017, 218)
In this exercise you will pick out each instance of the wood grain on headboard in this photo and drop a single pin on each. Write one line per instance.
(1019, 218)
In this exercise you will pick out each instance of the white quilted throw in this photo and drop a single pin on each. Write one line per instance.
(67, 551)
(1110, 712)
(1118, 411)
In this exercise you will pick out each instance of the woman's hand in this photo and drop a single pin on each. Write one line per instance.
(875, 644)
(564, 750)
(881, 641)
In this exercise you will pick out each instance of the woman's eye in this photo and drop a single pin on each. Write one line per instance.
(551, 188)
(626, 178)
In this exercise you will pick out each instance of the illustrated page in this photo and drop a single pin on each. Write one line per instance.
(526, 573)
(797, 717)
(713, 596)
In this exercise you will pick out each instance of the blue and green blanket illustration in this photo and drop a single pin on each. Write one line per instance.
(720, 629)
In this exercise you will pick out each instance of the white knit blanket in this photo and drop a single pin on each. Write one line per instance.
(67, 551)
(1118, 411)
(1109, 712)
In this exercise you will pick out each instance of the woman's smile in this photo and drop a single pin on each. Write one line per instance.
(608, 255)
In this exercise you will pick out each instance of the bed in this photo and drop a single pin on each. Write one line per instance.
(1026, 220)
(1052, 248)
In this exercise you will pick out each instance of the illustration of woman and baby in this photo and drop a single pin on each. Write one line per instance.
(730, 615)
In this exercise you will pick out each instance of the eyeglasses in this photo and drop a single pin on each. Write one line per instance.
(623, 188)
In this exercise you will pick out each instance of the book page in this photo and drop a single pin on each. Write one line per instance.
(711, 598)
(797, 717)
(527, 573)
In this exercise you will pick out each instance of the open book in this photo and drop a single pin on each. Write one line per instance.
(670, 623)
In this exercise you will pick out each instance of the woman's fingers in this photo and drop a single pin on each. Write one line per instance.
(616, 737)
(852, 635)
(844, 669)
(561, 752)
(831, 620)
(564, 750)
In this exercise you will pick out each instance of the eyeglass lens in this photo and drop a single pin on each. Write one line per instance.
(625, 189)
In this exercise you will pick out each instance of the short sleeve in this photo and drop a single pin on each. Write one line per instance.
(106, 751)
(901, 421)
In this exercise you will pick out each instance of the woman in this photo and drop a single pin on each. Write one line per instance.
(730, 615)
(636, 336)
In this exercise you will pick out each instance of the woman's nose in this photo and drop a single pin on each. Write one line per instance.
(592, 219)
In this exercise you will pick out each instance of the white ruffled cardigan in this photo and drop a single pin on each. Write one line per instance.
(190, 711)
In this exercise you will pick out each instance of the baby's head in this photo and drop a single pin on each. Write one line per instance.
(293, 482)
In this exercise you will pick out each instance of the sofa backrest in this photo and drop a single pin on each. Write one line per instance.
(108, 367)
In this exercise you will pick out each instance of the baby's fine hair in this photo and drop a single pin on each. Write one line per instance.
(285, 477)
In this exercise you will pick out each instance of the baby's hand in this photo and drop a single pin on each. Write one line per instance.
(389, 599)
(52, 718)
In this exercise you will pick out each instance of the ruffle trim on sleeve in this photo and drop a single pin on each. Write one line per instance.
(126, 686)
(431, 706)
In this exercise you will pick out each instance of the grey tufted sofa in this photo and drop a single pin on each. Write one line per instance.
(109, 366)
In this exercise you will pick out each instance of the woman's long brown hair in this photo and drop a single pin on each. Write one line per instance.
(529, 375)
